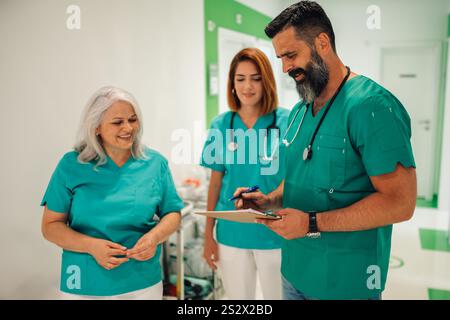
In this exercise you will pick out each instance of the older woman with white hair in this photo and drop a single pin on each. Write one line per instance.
(110, 204)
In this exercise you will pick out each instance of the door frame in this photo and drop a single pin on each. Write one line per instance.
(437, 117)
(225, 35)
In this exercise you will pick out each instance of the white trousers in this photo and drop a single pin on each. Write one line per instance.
(240, 267)
(154, 292)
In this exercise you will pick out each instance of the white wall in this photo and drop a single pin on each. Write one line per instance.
(153, 48)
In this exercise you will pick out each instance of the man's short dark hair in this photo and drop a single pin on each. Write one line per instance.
(308, 19)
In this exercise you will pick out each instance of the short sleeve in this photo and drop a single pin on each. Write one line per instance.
(170, 201)
(58, 196)
(380, 130)
(212, 154)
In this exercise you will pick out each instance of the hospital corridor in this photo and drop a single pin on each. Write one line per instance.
(230, 150)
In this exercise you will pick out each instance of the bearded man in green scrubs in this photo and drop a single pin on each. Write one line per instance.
(350, 171)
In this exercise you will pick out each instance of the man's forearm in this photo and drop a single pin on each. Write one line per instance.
(374, 211)
(276, 197)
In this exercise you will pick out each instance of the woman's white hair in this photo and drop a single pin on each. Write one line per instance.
(89, 145)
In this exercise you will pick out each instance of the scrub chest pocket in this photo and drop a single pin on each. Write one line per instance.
(148, 197)
(329, 160)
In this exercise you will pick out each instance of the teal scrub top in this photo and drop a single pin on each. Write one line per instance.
(366, 133)
(114, 203)
(245, 167)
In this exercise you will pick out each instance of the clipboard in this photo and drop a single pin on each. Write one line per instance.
(244, 216)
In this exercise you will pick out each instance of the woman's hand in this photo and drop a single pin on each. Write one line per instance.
(144, 249)
(104, 252)
(211, 252)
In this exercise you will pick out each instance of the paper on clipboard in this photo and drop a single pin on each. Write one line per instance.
(245, 215)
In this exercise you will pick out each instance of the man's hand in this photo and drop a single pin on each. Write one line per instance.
(292, 225)
(255, 200)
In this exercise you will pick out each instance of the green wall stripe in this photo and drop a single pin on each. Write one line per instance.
(223, 14)
(435, 240)
(424, 203)
(448, 31)
(437, 294)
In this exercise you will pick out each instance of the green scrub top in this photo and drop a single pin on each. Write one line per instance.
(245, 167)
(366, 133)
(114, 203)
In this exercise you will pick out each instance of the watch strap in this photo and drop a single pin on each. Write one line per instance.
(313, 222)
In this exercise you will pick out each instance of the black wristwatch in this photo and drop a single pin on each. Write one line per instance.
(313, 231)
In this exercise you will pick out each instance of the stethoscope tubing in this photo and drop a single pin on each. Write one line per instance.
(232, 146)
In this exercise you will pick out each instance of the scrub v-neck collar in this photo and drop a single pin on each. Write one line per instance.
(257, 123)
(112, 165)
(346, 85)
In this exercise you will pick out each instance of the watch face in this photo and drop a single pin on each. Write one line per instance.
(313, 235)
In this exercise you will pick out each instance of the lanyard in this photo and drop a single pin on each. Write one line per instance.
(307, 153)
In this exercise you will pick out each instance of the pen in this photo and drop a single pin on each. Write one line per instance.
(271, 214)
(252, 189)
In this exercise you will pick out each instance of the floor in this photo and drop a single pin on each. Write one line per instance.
(420, 258)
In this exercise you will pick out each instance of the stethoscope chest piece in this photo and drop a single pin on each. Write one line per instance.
(307, 153)
(232, 146)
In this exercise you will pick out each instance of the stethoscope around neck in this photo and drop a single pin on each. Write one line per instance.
(233, 146)
(307, 152)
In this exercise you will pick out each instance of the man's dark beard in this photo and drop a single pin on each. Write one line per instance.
(315, 78)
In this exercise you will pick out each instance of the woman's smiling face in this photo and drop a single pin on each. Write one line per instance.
(248, 84)
(119, 127)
